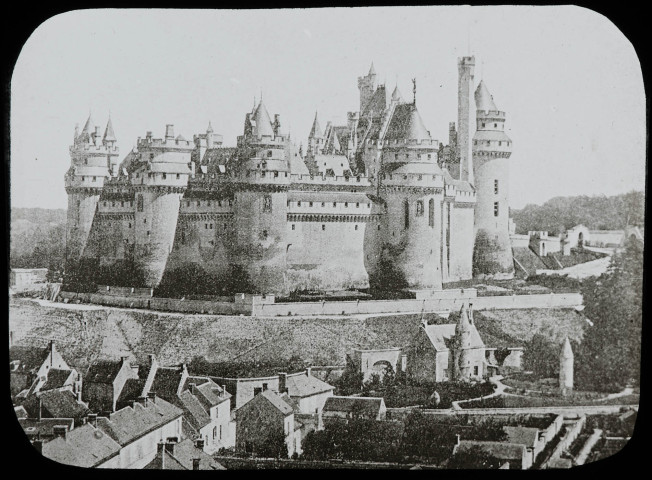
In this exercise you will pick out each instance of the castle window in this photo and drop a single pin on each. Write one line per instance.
(298, 204)
(165, 176)
(500, 143)
(211, 226)
(496, 187)
(323, 204)
(356, 227)
(495, 209)
(269, 153)
(122, 204)
(429, 156)
(208, 203)
(420, 177)
(105, 204)
(431, 212)
(310, 204)
(178, 176)
(396, 156)
(198, 203)
(94, 178)
(293, 226)
(219, 203)
(419, 212)
(404, 177)
(475, 370)
(267, 204)
(83, 179)
(378, 227)
(113, 204)
(139, 200)
(483, 125)
(148, 233)
(85, 161)
(230, 202)
(346, 204)
(211, 242)
(144, 220)
(357, 205)
(225, 226)
(129, 225)
(275, 174)
(406, 209)
(206, 226)
(187, 204)
(151, 156)
(335, 204)
(323, 227)
(495, 125)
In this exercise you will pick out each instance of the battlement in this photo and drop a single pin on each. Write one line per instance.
(168, 143)
(401, 142)
(262, 140)
(498, 114)
(330, 180)
(466, 61)
(90, 149)
(413, 180)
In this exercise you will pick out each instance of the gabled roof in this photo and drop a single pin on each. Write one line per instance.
(198, 417)
(377, 103)
(61, 404)
(363, 406)
(263, 124)
(500, 450)
(302, 385)
(271, 397)
(406, 124)
(522, 435)
(103, 371)
(131, 423)
(131, 391)
(483, 99)
(57, 378)
(30, 358)
(167, 382)
(43, 428)
(441, 335)
(84, 446)
(182, 458)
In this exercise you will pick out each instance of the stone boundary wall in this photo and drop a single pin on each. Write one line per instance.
(441, 305)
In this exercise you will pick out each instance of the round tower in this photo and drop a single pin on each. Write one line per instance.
(159, 181)
(566, 360)
(93, 159)
(491, 151)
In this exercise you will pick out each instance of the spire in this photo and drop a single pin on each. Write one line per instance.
(396, 95)
(263, 126)
(483, 99)
(88, 126)
(109, 136)
(372, 70)
(315, 132)
(76, 132)
(463, 324)
(209, 129)
(414, 91)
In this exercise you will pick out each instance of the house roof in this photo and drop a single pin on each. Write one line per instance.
(130, 423)
(522, 435)
(367, 406)
(167, 381)
(198, 417)
(274, 399)
(500, 450)
(377, 103)
(406, 124)
(315, 131)
(461, 185)
(84, 446)
(131, 391)
(263, 124)
(57, 378)
(61, 404)
(103, 371)
(182, 458)
(30, 358)
(441, 335)
(44, 427)
(20, 412)
(302, 385)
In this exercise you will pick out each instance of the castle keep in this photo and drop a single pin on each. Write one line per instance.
(375, 202)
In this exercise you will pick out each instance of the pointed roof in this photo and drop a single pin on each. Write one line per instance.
(483, 99)
(372, 71)
(566, 350)
(463, 324)
(263, 125)
(315, 131)
(108, 132)
(88, 126)
(396, 95)
(406, 124)
(209, 129)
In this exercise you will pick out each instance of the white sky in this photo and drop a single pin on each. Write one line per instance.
(570, 82)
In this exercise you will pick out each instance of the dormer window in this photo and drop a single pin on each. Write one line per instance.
(165, 176)
(269, 153)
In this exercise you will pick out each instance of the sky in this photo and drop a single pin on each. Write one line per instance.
(569, 81)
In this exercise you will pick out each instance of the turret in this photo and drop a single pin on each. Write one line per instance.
(367, 86)
(462, 344)
(491, 153)
(566, 360)
(92, 163)
(315, 138)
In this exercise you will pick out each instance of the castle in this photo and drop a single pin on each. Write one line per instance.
(374, 202)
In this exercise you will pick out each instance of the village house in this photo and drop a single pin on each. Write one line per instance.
(45, 429)
(104, 383)
(139, 428)
(264, 419)
(86, 446)
(56, 404)
(348, 408)
(185, 455)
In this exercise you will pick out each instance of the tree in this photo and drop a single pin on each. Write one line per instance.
(610, 353)
(541, 356)
(501, 355)
(473, 458)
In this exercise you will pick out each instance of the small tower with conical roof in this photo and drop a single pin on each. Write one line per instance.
(367, 86)
(566, 361)
(491, 151)
(462, 346)
(93, 158)
(316, 138)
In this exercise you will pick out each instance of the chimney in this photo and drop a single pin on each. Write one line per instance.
(195, 463)
(92, 419)
(160, 450)
(471, 313)
(144, 401)
(282, 382)
(40, 407)
(199, 443)
(60, 431)
(151, 396)
(38, 445)
(170, 443)
(224, 392)
(308, 371)
(169, 132)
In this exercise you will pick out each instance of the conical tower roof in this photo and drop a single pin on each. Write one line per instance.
(396, 95)
(109, 136)
(406, 124)
(209, 129)
(463, 324)
(315, 131)
(483, 99)
(263, 125)
(372, 70)
(88, 126)
(566, 350)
